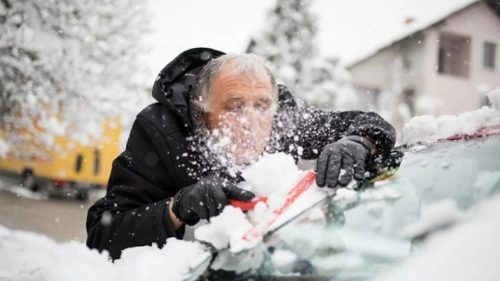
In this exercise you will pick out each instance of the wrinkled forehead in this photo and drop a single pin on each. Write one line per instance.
(234, 74)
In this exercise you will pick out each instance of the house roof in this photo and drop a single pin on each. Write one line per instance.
(425, 24)
(494, 4)
(357, 29)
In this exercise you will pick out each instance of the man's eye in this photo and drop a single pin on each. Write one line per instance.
(262, 106)
(234, 107)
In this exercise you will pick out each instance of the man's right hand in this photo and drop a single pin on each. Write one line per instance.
(205, 199)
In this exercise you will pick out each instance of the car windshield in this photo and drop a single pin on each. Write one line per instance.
(363, 235)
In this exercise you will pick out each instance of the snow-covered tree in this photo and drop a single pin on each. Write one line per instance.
(66, 66)
(327, 85)
(393, 104)
(289, 44)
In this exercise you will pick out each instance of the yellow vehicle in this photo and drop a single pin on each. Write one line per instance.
(68, 168)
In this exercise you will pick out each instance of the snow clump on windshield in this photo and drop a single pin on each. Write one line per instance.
(466, 251)
(272, 176)
(437, 216)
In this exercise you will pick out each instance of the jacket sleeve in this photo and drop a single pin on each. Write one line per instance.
(134, 211)
(327, 127)
(313, 128)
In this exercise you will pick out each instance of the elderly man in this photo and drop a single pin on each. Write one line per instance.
(215, 114)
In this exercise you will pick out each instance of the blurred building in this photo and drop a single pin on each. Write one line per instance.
(442, 66)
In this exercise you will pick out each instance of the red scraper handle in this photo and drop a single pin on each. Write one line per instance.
(300, 187)
(247, 205)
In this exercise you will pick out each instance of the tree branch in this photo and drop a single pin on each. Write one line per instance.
(7, 4)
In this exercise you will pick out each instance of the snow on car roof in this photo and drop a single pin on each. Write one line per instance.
(482, 122)
(354, 30)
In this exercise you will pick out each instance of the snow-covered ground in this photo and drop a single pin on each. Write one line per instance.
(19, 190)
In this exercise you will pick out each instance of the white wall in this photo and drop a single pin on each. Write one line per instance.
(460, 94)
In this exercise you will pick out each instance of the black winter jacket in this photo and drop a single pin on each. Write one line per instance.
(157, 161)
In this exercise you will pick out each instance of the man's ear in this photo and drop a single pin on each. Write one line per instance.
(200, 113)
(205, 117)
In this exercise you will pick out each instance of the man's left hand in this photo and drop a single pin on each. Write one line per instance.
(340, 161)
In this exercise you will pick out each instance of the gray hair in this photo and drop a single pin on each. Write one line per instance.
(250, 64)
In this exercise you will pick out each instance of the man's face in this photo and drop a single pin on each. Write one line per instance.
(241, 110)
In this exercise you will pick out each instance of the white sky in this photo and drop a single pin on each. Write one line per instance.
(220, 24)
(348, 29)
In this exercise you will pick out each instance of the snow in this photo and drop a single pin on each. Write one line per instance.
(4, 148)
(428, 128)
(434, 217)
(419, 127)
(281, 173)
(282, 258)
(56, 127)
(345, 194)
(494, 98)
(467, 251)
(225, 229)
(380, 193)
(66, 81)
(272, 176)
(30, 256)
(239, 262)
(20, 190)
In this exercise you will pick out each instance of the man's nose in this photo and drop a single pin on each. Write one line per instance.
(250, 117)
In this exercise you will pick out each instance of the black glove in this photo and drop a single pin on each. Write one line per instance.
(206, 199)
(348, 154)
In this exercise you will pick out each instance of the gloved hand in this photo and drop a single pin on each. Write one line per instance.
(206, 199)
(340, 161)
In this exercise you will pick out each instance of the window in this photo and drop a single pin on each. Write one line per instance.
(408, 98)
(489, 55)
(97, 161)
(78, 163)
(453, 55)
(484, 101)
(407, 64)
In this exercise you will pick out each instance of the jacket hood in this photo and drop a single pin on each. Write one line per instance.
(175, 81)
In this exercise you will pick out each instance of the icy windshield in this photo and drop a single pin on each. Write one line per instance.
(361, 235)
